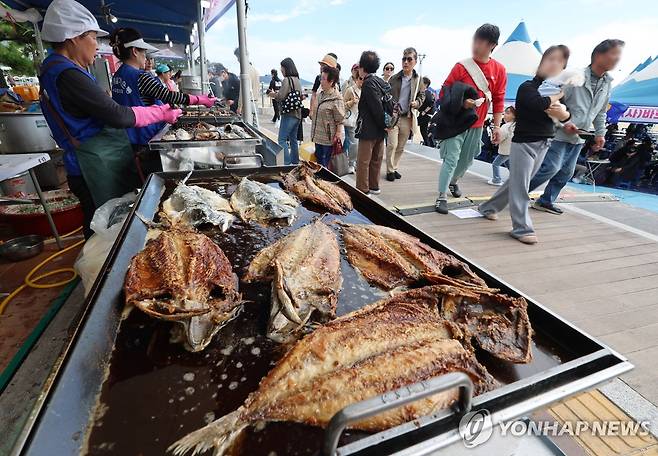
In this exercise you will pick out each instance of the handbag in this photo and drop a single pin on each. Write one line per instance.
(350, 116)
(339, 162)
(293, 100)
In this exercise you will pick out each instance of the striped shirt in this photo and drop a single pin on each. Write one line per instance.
(151, 89)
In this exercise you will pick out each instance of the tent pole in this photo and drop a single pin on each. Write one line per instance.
(245, 84)
(37, 36)
(202, 49)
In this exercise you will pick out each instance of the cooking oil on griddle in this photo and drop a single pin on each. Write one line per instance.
(157, 392)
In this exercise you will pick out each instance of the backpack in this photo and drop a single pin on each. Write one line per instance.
(293, 100)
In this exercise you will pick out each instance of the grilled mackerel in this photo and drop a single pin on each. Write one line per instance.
(192, 206)
(183, 276)
(263, 203)
(304, 268)
(390, 259)
(384, 346)
(302, 182)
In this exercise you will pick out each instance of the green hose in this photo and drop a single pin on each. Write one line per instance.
(25, 348)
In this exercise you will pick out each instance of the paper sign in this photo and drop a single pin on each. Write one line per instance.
(466, 213)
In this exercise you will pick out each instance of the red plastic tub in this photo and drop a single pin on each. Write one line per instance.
(67, 217)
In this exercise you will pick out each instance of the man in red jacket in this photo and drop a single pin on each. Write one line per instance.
(489, 78)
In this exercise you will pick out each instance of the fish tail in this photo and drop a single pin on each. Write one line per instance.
(220, 435)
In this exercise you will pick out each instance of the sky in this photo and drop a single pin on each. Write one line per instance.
(305, 30)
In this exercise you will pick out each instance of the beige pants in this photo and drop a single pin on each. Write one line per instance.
(397, 138)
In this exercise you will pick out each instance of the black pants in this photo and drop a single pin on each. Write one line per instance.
(277, 111)
(423, 123)
(78, 186)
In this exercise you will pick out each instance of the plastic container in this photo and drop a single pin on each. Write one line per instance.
(65, 220)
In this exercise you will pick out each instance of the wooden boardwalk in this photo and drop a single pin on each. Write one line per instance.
(595, 273)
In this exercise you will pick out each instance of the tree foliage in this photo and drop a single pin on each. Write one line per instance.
(17, 48)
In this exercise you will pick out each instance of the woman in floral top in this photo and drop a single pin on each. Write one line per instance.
(328, 117)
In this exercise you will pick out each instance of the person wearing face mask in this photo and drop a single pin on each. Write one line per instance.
(533, 132)
(132, 85)
(85, 122)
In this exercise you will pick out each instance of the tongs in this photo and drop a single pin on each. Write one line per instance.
(8, 201)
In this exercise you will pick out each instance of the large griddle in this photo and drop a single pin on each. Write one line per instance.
(566, 360)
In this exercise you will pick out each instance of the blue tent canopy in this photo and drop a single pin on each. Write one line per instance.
(152, 18)
(641, 87)
(537, 46)
(520, 33)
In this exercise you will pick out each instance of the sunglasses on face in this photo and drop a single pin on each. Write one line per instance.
(407, 59)
(388, 69)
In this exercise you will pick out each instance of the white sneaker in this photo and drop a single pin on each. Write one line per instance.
(375, 192)
(350, 170)
(496, 184)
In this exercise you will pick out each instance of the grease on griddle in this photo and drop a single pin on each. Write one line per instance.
(157, 392)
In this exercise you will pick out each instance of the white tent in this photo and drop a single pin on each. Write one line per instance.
(640, 88)
(520, 56)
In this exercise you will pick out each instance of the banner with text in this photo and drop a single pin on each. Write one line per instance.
(640, 114)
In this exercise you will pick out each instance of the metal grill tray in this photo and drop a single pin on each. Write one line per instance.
(131, 367)
(157, 143)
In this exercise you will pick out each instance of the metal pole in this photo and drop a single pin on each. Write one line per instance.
(202, 49)
(37, 187)
(245, 84)
(37, 36)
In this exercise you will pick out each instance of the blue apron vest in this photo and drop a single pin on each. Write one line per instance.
(125, 91)
(81, 129)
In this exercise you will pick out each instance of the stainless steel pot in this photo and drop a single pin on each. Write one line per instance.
(24, 132)
(191, 85)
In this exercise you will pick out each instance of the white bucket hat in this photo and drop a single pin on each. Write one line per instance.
(67, 19)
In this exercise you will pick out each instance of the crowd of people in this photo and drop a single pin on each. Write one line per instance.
(539, 138)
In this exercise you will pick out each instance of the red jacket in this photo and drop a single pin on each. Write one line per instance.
(496, 76)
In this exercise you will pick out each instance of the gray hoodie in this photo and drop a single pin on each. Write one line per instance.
(587, 109)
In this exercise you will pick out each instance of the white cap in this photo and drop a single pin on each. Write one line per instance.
(141, 44)
(67, 19)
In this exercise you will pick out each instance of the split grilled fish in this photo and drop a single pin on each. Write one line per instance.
(263, 203)
(389, 259)
(304, 268)
(302, 182)
(193, 206)
(183, 276)
(498, 324)
(384, 346)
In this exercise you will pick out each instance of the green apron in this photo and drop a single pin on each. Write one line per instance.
(108, 165)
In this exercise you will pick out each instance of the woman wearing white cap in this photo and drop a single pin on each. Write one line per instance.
(84, 120)
(133, 86)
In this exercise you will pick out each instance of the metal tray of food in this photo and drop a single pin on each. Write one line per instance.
(216, 113)
(144, 384)
(158, 142)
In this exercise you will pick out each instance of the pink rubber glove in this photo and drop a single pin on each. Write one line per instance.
(204, 100)
(147, 115)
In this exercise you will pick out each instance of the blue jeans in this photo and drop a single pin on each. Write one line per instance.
(557, 168)
(288, 132)
(323, 154)
(499, 161)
